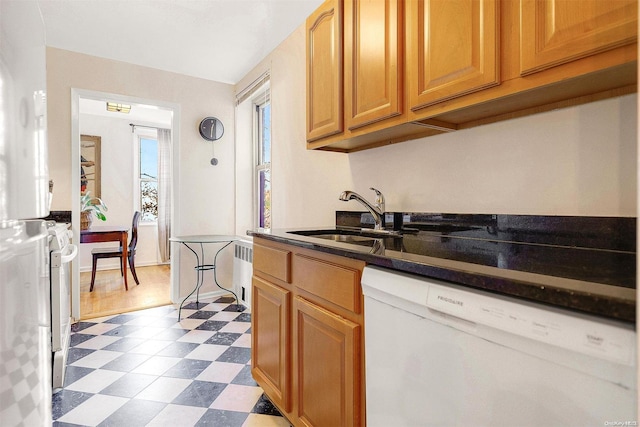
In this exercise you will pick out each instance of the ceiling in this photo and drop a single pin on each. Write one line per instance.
(220, 40)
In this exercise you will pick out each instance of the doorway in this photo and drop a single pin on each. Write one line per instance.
(118, 165)
(110, 297)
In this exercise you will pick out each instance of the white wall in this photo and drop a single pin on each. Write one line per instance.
(574, 161)
(206, 193)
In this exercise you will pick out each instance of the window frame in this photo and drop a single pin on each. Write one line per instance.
(259, 102)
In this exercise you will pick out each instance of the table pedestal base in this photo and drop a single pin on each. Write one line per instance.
(200, 269)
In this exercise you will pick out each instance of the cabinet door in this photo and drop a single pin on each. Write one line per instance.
(452, 49)
(270, 341)
(559, 31)
(324, 71)
(326, 366)
(373, 69)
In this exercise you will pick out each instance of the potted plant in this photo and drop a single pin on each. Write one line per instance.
(88, 205)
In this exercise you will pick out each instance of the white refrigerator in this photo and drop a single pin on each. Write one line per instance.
(25, 337)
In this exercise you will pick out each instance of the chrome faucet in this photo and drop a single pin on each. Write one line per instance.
(377, 211)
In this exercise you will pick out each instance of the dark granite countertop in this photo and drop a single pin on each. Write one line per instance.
(59, 216)
(585, 264)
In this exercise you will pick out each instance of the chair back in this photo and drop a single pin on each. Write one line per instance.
(134, 231)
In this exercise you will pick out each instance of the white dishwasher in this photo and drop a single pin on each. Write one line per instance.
(438, 354)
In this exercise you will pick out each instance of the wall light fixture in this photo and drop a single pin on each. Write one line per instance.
(118, 108)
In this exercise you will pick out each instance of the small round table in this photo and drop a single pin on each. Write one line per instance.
(201, 267)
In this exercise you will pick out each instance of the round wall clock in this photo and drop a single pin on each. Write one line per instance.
(211, 129)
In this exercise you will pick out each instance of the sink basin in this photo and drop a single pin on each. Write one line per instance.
(355, 236)
(346, 238)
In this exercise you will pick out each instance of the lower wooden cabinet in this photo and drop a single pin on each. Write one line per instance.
(270, 338)
(308, 334)
(326, 358)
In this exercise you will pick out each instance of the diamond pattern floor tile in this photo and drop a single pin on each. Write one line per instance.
(147, 369)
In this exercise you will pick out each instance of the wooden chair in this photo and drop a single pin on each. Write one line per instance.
(99, 253)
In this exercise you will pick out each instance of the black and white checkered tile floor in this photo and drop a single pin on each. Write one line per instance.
(146, 369)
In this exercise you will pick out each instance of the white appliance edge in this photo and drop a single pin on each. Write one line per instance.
(25, 331)
(465, 364)
(61, 253)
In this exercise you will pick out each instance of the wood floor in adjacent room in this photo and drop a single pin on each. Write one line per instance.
(110, 297)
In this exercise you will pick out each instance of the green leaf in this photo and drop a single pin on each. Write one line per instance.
(95, 204)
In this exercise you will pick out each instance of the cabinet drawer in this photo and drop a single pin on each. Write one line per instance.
(274, 262)
(331, 282)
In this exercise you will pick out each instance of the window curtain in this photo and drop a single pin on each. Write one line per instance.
(164, 193)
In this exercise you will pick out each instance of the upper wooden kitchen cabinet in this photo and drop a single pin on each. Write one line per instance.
(373, 61)
(373, 99)
(324, 71)
(452, 49)
(560, 31)
(463, 63)
(552, 54)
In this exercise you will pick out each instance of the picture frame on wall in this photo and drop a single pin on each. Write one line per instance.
(90, 178)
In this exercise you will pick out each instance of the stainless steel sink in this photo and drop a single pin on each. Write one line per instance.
(353, 236)
(346, 238)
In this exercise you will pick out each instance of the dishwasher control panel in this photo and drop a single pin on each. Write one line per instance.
(591, 337)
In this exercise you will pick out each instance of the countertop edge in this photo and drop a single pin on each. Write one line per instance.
(612, 308)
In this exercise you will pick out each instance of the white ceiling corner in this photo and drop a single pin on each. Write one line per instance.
(219, 40)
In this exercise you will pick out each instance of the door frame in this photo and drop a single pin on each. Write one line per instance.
(76, 94)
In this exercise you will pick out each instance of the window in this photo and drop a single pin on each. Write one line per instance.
(254, 190)
(263, 164)
(148, 178)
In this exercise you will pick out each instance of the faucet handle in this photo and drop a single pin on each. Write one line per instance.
(379, 199)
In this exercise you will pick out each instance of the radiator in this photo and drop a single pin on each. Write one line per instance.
(242, 270)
